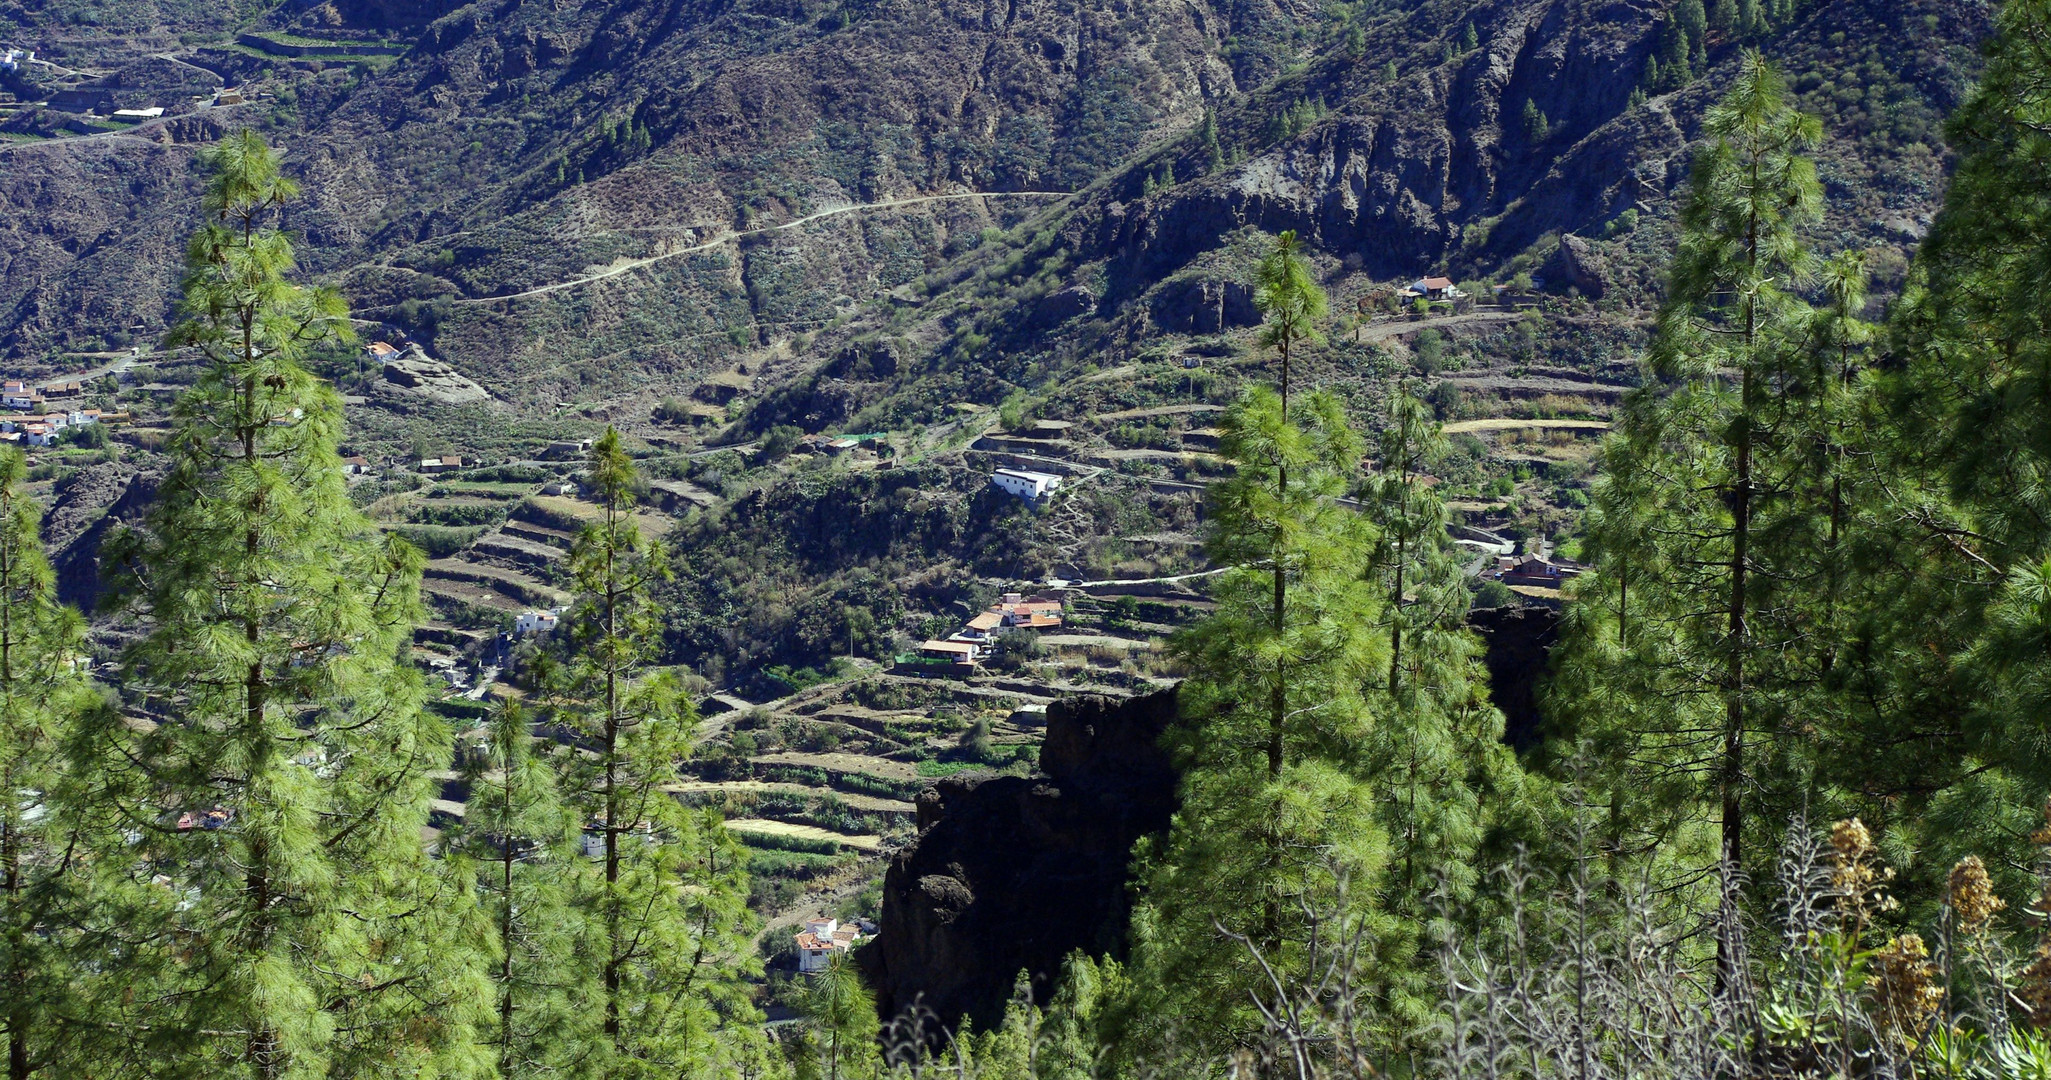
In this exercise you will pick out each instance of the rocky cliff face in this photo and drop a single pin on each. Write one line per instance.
(1438, 166)
(523, 144)
(89, 506)
(1517, 643)
(1012, 874)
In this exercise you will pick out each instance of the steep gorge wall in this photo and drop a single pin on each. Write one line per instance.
(1012, 874)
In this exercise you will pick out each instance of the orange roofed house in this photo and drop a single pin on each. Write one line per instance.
(821, 938)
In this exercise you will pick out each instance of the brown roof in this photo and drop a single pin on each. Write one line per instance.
(1438, 283)
(1024, 607)
(961, 648)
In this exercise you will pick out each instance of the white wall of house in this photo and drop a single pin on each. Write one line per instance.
(1025, 485)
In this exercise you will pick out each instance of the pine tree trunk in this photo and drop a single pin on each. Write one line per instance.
(1278, 695)
(1736, 629)
(1734, 687)
(263, 1039)
(1396, 617)
(1278, 704)
(506, 932)
(614, 961)
(18, 1020)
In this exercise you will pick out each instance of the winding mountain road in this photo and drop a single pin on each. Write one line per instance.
(728, 236)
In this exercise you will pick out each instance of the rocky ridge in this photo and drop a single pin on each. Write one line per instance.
(1012, 874)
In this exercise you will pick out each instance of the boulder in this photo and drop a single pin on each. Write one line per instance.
(417, 373)
(1059, 307)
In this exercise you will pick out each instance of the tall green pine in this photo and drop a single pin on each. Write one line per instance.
(276, 800)
(521, 844)
(668, 893)
(1691, 651)
(42, 691)
(1963, 614)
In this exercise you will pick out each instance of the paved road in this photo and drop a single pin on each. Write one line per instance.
(728, 236)
(114, 367)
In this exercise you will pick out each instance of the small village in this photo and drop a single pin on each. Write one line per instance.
(821, 780)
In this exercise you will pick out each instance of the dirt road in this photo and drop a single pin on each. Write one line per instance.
(727, 236)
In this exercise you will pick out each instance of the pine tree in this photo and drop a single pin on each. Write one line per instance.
(1690, 647)
(1452, 796)
(1724, 18)
(41, 690)
(300, 927)
(670, 888)
(522, 845)
(1274, 815)
(1673, 57)
(844, 1025)
(1292, 305)
(1693, 24)
(1411, 519)
(1537, 128)
(1962, 619)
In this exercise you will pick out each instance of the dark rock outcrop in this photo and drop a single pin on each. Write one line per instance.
(98, 500)
(1518, 642)
(1062, 305)
(1204, 307)
(1578, 265)
(1014, 873)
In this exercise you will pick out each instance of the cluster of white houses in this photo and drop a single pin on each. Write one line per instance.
(821, 939)
(43, 430)
(23, 397)
(976, 639)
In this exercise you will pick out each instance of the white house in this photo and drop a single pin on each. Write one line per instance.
(821, 938)
(1025, 485)
(534, 622)
(20, 396)
(1434, 288)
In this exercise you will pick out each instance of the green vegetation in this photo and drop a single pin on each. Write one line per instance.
(279, 796)
(666, 961)
(1818, 591)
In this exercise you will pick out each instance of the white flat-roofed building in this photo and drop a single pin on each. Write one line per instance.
(534, 622)
(1025, 485)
